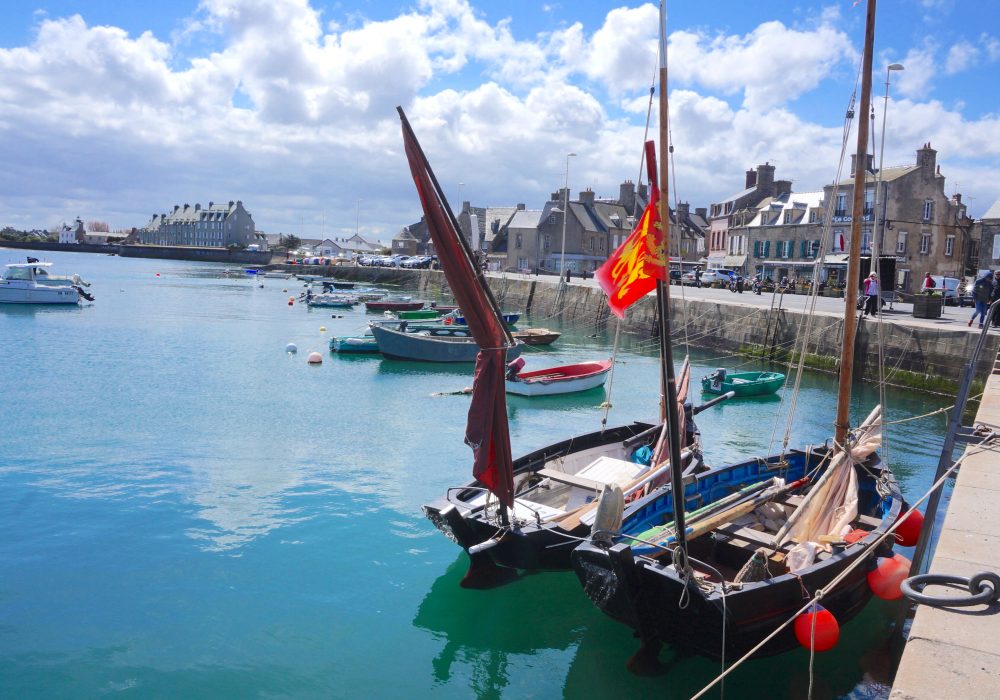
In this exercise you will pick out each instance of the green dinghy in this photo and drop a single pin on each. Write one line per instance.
(742, 383)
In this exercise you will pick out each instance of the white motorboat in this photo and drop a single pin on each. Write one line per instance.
(31, 283)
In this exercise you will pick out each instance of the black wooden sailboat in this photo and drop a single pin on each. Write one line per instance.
(719, 568)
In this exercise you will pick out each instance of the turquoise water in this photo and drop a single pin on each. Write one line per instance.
(189, 511)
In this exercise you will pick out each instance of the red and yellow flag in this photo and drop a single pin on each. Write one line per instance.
(632, 271)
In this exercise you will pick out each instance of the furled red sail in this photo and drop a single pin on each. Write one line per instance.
(632, 270)
(486, 431)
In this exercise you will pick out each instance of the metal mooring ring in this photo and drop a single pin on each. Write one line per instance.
(984, 588)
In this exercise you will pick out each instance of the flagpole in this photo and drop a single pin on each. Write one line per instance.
(668, 380)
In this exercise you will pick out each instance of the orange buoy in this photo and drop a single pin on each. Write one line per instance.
(886, 578)
(908, 531)
(827, 630)
(157, 274)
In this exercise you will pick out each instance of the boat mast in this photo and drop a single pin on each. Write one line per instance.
(668, 381)
(854, 259)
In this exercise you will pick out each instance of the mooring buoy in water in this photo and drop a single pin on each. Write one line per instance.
(315, 358)
(291, 347)
(322, 329)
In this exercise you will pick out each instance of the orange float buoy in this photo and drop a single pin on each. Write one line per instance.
(827, 630)
(157, 274)
(886, 578)
(908, 531)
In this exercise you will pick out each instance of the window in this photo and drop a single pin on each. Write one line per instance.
(552, 219)
(866, 242)
(841, 209)
(928, 210)
(813, 249)
(925, 243)
(788, 217)
(949, 245)
(996, 246)
(869, 201)
(812, 216)
(545, 242)
(901, 243)
(838, 241)
(518, 241)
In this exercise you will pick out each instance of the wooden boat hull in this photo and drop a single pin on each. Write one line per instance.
(536, 336)
(444, 344)
(745, 383)
(644, 593)
(464, 518)
(418, 314)
(560, 380)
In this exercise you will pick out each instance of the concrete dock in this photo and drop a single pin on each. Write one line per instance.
(953, 653)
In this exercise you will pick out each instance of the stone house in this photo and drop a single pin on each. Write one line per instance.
(72, 234)
(736, 211)
(988, 237)
(783, 235)
(214, 226)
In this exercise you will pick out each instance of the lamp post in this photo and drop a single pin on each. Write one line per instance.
(357, 220)
(562, 250)
(878, 241)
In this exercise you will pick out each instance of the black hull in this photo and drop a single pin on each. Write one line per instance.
(529, 546)
(645, 595)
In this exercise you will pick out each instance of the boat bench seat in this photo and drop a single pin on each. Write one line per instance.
(740, 535)
(570, 479)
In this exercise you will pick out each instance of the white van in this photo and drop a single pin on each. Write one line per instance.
(949, 287)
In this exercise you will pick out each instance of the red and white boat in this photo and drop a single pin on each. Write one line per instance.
(563, 379)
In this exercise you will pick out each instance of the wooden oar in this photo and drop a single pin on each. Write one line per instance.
(708, 524)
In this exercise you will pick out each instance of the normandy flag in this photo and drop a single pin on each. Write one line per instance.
(632, 271)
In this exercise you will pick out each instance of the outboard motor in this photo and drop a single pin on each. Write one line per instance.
(718, 377)
(514, 367)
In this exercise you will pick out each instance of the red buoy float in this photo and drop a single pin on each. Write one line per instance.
(886, 578)
(827, 630)
(908, 531)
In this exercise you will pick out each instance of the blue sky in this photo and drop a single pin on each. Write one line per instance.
(117, 110)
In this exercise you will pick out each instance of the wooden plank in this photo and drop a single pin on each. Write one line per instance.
(570, 479)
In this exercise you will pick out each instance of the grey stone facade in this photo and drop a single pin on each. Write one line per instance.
(988, 237)
(214, 226)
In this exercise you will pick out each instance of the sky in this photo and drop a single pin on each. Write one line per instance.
(114, 111)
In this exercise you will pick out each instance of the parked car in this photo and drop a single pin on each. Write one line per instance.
(675, 277)
(710, 276)
(690, 277)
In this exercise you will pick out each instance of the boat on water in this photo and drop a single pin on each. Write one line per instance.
(31, 283)
(562, 379)
(536, 336)
(359, 344)
(418, 315)
(394, 303)
(720, 565)
(742, 383)
(333, 301)
(457, 318)
(274, 274)
(433, 344)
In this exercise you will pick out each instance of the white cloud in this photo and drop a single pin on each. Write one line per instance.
(920, 71)
(961, 56)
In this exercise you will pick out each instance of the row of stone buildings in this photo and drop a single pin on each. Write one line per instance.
(214, 226)
(767, 228)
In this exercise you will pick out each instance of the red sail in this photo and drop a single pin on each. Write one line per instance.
(486, 431)
(632, 270)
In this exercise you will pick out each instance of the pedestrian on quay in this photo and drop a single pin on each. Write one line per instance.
(982, 290)
(995, 296)
(739, 283)
(871, 295)
(929, 284)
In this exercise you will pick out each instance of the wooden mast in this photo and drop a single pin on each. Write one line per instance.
(854, 259)
(668, 380)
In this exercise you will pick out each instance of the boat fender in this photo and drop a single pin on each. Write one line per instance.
(608, 518)
(886, 579)
(827, 630)
(483, 546)
(908, 530)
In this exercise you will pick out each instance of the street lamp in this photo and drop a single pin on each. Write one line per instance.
(357, 220)
(562, 251)
(878, 241)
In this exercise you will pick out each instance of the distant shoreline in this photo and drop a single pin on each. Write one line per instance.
(219, 255)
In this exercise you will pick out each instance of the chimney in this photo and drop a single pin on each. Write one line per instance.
(197, 207)
(626, 195)
(210, 204)
(683, 210)
(643, 191)
(186, 206)
(765, 179)
(702, 212)
(520, 206)
(587, 197)
(927, 160)
(751, 178)
(231, 203)
(957, 197)
(176, 207)
(466, 206)
(782, 187)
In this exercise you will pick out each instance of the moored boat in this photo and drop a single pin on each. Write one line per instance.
(31, 283)
(436, 344)
(536, 336)
(742, 383)
(362, 344)
(562, 379)
(393, 304)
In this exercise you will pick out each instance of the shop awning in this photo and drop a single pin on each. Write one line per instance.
(785, 263)
(734, 261)
(836, 259)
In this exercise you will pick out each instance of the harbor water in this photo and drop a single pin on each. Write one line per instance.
(190, 511)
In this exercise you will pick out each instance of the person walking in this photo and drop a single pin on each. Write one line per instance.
(871, 295)
(929, 284)
(982, 290)
(995, 296)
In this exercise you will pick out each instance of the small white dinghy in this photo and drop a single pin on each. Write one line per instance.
(563, 379)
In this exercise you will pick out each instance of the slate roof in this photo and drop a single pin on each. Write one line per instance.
(993, 212)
